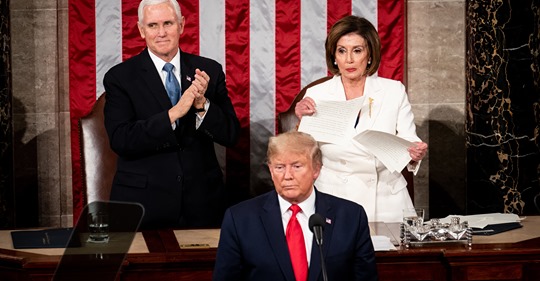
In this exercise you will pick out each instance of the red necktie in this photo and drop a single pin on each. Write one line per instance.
(297, 247)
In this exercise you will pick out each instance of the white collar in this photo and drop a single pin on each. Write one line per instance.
(159, 63)
(307, 206)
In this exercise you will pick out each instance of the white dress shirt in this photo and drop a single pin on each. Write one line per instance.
(308, 209)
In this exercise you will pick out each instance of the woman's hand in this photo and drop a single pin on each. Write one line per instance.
(306, 106)
(418, 151)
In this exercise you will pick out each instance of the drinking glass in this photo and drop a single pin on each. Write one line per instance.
(413, 216)
(98, 226)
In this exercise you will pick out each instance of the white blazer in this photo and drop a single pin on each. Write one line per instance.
(349, 170)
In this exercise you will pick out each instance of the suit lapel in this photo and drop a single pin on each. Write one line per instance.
(271, 220)
(373, 102)
(323, 208)
(153, 81)
(187, 70)
(336, 89)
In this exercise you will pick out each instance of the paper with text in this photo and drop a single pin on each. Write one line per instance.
(331, 120)
(390, 149)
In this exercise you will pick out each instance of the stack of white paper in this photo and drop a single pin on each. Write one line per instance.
(382, 243)
(483, 220)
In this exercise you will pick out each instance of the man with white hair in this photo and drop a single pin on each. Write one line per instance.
(164, 111)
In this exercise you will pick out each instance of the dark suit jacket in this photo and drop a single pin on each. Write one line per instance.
(175, 175)
(252, 245)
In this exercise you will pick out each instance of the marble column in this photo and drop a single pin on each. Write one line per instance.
(6, 117)
(502, 124)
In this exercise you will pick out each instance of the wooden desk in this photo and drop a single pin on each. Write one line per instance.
(512, 255)
(157, 255)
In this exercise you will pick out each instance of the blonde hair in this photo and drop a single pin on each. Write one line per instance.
(296, 142)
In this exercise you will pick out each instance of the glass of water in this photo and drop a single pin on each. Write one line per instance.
(98, 226)
(413, 216)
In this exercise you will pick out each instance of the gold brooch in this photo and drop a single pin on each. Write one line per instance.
(370, 104)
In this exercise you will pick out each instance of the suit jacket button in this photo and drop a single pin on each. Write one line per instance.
(179, 178)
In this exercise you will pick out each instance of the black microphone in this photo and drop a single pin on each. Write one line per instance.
(316, 225)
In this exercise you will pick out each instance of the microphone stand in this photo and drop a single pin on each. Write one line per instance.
(316, 225)
(323, 264)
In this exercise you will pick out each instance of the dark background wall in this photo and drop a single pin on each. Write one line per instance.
(503, 106)
(6, 128)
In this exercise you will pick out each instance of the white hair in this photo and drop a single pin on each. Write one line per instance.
(145, 3)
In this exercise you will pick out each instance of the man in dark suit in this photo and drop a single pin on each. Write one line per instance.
(254, 235)
(164, 130)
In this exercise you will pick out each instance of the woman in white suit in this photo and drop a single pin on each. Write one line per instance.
(349, 170)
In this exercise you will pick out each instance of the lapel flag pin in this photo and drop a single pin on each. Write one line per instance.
(328, 221)
(188, 78)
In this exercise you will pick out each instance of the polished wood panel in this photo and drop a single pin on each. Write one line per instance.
(162, 255)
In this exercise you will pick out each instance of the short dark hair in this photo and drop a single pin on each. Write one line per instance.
(360, 26)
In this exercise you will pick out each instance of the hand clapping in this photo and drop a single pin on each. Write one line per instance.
(192, 96)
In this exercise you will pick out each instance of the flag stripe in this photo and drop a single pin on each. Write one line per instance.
(212, 30)
(212, 45)
(312, 37)
(269, 49)
(287, 52)
(336, 10)
(391, 23)
(189, 41)
(108, 39)
(131, 38)
(82, 83)
(366, 9)
(237, 74)
(262, 83)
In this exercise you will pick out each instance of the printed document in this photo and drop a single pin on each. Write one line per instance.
(390, 149)
(331, 120)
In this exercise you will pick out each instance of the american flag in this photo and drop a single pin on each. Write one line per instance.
(269, 50)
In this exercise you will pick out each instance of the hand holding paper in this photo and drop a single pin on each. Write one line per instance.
(390, 149)
(331, 120)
